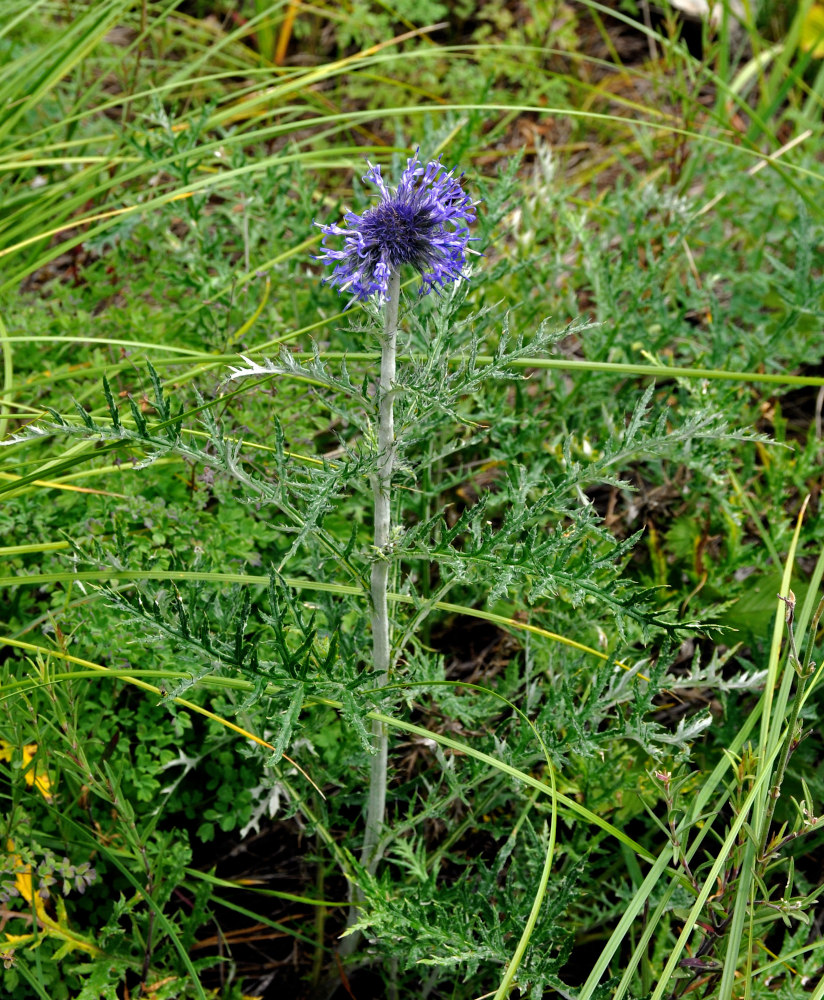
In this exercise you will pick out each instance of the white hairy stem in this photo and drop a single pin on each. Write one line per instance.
(381, 631)
(381, 628)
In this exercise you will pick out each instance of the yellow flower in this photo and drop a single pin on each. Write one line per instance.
(812, 31)
(34, 773)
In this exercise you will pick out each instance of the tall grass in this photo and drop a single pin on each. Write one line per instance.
(557, 822)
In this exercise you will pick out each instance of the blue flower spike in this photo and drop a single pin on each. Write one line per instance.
(424, 223)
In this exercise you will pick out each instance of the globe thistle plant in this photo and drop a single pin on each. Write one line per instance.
(424, 223)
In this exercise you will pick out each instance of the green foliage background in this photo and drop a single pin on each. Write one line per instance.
(607, 437)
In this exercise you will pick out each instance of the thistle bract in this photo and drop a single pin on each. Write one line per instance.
(423, 223)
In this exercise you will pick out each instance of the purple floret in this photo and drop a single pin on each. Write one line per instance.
(424, 223)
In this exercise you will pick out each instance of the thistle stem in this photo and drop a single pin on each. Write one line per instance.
(381, 631)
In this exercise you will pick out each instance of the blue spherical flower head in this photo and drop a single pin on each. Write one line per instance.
(424, 223)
